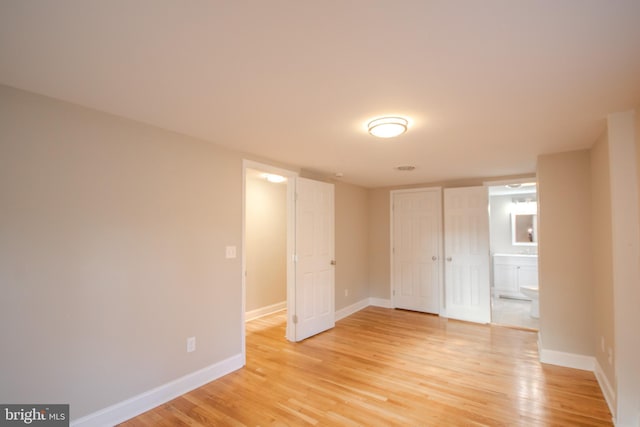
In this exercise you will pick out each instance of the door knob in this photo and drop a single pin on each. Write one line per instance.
(433, 258)
(333, 262)
(449, 259)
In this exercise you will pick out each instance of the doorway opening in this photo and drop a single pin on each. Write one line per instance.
(514, 253)
(268, 243)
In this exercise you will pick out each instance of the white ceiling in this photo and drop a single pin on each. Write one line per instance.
(488, 84)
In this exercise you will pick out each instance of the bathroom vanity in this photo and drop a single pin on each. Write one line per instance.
(511, 271)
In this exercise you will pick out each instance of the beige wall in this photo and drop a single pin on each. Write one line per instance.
(352, 242)
(636, 354)
(266, 240)
(379, 242)
(638, 158)
(112, 253)
(564, 253)
(602, 260)
(623, 172)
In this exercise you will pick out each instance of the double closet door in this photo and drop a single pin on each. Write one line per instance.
(441, 267)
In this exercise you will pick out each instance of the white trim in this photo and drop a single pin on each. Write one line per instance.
(380, 302)
(143, 402)
(264, 167)
(568, 360)
(414, 190)
(353, 308)
(490, 183)
(608, 391)
(265, 311)
(586, 363)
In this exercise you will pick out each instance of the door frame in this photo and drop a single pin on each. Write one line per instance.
(441, 290)
(290, 175)
(495, 183)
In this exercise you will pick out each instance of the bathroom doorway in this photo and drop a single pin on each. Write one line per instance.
(514, 253)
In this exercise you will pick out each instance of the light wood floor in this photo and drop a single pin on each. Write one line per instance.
(382, 367)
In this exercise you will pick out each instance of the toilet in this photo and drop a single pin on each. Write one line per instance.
(532, 293)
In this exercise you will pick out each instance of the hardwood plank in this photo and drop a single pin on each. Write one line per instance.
(382, 367)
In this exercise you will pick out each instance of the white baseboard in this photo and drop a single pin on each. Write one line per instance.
(349, 310)
(568, 360)
(264, 311)
(136, 405)
(607, 390)
(353, 308)
(380, 302)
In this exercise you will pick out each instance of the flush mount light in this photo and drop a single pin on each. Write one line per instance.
(522, 184)
(405, 168)
(277, 179)
(388, 127)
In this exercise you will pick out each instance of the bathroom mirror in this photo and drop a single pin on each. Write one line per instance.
(524, 229)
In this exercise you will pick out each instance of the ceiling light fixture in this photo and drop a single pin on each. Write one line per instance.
(521, 184)
(277, 179)
(388, 127)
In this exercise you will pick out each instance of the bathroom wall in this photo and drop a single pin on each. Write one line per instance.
(501, 227)
(266, 240)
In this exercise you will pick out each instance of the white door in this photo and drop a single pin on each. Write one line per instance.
(466, 242)
(314, 269)
(417, 230)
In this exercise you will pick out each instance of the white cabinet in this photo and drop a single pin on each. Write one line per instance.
(505, 278)
(510, 271)
(528, 275)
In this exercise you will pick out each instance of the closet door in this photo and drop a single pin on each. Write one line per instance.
(466, 237)
(416, 249)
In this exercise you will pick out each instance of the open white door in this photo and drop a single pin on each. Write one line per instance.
(314, 270)
(466, 237)
(417, 231)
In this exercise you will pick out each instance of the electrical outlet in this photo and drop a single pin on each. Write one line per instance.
(602, 343)
(346, 292)
(191, 344)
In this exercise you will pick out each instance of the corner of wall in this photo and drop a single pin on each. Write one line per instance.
(607, 390)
